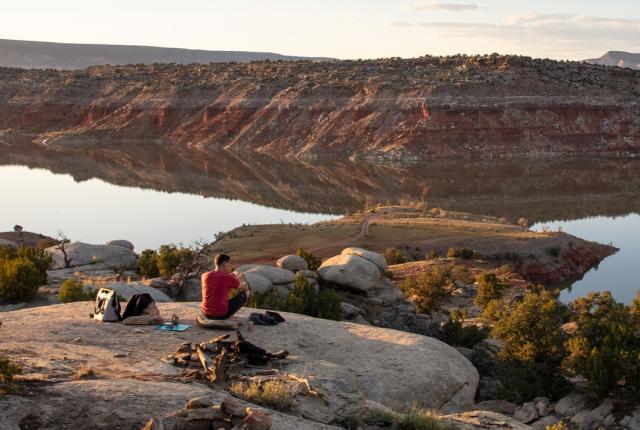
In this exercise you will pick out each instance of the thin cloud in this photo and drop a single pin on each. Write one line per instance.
(449, 7)
(546, 34)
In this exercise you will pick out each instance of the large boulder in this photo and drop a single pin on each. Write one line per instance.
(123, 243)
(8, 244)
(378, 259)
(128, 289)
(351, 272)
(276, 275)
(95, 256)
(346, 363)
(258, 283)
(292, 262)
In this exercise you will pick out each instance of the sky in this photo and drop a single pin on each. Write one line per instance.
(561, 29)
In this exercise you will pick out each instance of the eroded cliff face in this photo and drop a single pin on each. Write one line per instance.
(453, 106)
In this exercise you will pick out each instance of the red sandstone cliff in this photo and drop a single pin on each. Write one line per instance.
(453, 106)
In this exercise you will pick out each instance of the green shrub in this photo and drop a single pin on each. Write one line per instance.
(420, 419)
(606, 348)
(39, 258)
(489, 288)
(455, 334)
(394, 256)
(533, 346)
(303, 299)
(72, 290)
(313, 261)
(19, 279)
(8, 371)
(461, 274)
(428, 288)
(170, 258)
(148, 264)
(464, 253)
(432, 255)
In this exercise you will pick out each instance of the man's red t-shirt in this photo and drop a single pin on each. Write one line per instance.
(215, 292)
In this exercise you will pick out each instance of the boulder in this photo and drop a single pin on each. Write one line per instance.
(378, 259)
(604, 409)
(544, 422)
(8, 244)
(258, 283)
(293, 263)
(527, 413)
(127, 290)
(341, 360)
(348, 311)
(483, 420)
(122, 243)
(276, 275)
(571, 404)
(543, 405)
(499, 406)
(351, 272)
(191, 290)
(585, 420)
(96, 256)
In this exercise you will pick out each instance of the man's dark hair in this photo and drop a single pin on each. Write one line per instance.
(220, 259)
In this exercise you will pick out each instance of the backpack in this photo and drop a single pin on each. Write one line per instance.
(107, 306)
(137, 305)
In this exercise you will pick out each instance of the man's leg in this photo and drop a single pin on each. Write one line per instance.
(236, 303)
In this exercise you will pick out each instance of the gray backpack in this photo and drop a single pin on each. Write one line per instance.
(107, 306)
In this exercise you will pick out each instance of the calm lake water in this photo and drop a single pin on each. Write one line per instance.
(152, 195)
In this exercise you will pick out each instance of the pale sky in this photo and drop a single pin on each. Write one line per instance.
(570, 29)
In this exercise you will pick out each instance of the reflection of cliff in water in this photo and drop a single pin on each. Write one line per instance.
(539, 189)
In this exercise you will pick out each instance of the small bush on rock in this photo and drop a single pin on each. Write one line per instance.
(148, 264)
(170, 258)
(489, 288)
(461, 274)
(394, 256)
(313, 261)
(72, 290)
(428, 288)
(19, 279)
(420, 419)
(455, 334)
(273, 394)
(8, 371)
(464, 253)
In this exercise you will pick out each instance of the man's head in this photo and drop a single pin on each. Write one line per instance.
(222, 262)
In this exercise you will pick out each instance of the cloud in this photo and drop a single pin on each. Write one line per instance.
(449, 7)
(550, 35)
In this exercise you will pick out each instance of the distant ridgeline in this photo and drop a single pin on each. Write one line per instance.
(47, 55)
(619, 59)
(456, 106)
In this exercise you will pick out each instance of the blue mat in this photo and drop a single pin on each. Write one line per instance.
(171, 327)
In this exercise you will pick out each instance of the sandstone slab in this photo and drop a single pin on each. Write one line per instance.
(351, 272)
(378, 259)
(96, 256)
(294, 263)
(276, 275)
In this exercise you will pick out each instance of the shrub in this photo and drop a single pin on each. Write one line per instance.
(455, 334)
(148, 264)
(39, 258)
(489, 288)
(72, 290)
(170, 258)
(313, 261)
(461, 274)
(606, 348)
(19, 279)
(420, 419)
(273, 394)
(394, 256)
(554, 251)
(432, 255)
(464, 253)
(8, 371)
(303, 299)
(533, 346)
(427, 289)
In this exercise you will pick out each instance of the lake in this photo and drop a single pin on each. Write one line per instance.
(152, 195)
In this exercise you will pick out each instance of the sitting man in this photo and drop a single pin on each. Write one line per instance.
(215, 290)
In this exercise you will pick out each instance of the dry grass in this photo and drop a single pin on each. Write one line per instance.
(273, 394)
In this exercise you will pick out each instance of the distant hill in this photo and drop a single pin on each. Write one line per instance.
(47, 55)
(618, 58)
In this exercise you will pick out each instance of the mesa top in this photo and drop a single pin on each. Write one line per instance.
(215, 292)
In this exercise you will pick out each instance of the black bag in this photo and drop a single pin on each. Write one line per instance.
(137, 304)
(267, 318)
